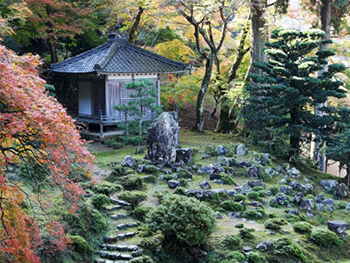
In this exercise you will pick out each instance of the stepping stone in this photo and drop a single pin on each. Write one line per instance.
(116, 207)
(130, 234)
(99, 260)
(125, 256)
(118, 216)
(119, 202)
(122, 226)
(109, 239)
(133, 248)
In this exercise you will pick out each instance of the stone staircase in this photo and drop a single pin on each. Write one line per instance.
(119, 248)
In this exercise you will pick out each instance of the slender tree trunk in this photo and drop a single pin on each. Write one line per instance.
(53, 51)
(133, 29)
(201, 95)
(348, 175)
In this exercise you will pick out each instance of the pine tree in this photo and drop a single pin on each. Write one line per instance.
(283, 103)
(143, 102)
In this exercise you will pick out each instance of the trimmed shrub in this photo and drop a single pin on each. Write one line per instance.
(150, 169)
(239, 197)
(140, 213)
(133, 197)
(180, 190)
(275, 223)
(302, 227)
(253, 257)
(251, 215)
(231, 242)
(182, 220)
(232, 206)
(80, 245)
(274, 190)
(258, 188)
(108, 188)
(285, 248)
(254, 196)
(227, 179)
(235, 256)
(325, 238)
(131, 182)
(240, 225)
(210, 150)
(100, 200)
(246, 233)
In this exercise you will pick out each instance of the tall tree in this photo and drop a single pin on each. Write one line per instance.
(284, 99)
(39, 141)
(201, 17)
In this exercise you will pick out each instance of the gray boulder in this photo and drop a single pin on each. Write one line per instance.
(199, 194)
(221, 150)
(204, 185)
(218, 181)
(218, 215)
(173, 184)
(320, 198)
(254, 171)
(264, 246)
(285, 189)
(307, 204)
(162, 139)
(329, 185)
(129, 161)
(223, 161)
(347, 206)
(184, 155)
(256, 183)
(241, 149)
(341, 191)
(293, 173)
(307, 188)
(262, 159)
(295, 185)
(338, 227)
(206, 170)
(245, 188)
(297, 198)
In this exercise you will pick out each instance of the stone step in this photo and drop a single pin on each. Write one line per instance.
(120, 236)
(113, 208)
(125, 226)
(100, 260)
(119, 202)
(119, 216)
(115, 255)
(130, 248)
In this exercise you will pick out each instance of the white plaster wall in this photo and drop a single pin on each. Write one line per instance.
(85, 106)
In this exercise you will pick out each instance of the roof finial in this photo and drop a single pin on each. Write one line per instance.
(117, 35)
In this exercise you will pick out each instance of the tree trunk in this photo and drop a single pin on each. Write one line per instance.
(53, 51)
(257, 35)
(201, 95)
(133, 29)
(348, 175)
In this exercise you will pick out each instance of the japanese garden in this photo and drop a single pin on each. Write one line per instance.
(141, 131)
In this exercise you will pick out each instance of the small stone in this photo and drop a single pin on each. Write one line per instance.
(264, 246)
(129, 161)
(173, 184)
(120, 236)
(295, 185)
(218, 215)
(293, 173)
(285, 189)
(122, 226)
(293, 212)
(245, 188)
(307, 204)
(206, 170)
(320, 206)
(319, 198)
(140, 168)
(130, 234)
(283, 181)
(234, 214)
(119, 202)
(247, 249)
(223, 161)
(329, 185)
(341, 191)
(233, 193)
(307, 188)
(241, 149)
(254, 171)
(133, 248)
(125, 257)
(204, 185)
(347, 207)
(218, 181)
(214, 176)
(256, 183)
(221, 150)
(184, 155)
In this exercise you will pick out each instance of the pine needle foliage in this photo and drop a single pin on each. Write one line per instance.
(282, 101)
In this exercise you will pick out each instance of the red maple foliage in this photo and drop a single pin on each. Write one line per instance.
(35, 130)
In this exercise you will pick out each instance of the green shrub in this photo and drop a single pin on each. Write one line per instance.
(142, 259)
(150, 169)
(91, 218)
(183, 220)
(100, 200)
(218, 198)
(184, 174)
(150, 179)
(254, 196)
(231, 242)
(273, 203)
(183, 182)
(340, 204)
(180, 190)
(261, 210)
(286, 250)
(235, 256)
(253, 257)
(133, 197)
(240, 225)
(262, 193)
(227, 179)
(274, 190)
(210, 149)
(325, 238)
(232, 206)
(302, 227)
(117, 171)
(239, 197)
(108, 188)
(131, 182)
(231, 149)
(246, 233)
(275, 223)
(291, 218)
(257, 188)
(251, 215)
(140, 213)
(80, 245)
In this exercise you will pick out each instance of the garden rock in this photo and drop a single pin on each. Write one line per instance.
(264, 246)
(262, 159)
(218, 215)
(199, 194)
(233, 193)
(242, 164)
(270, 172)
(293, 173)
(329, 185)
(254, 171)
(338, 227)
(281, 199)
(293, 212)
(320, 198)
(341, 191)
(129, 161)
(173, 184)
(283, 181)
(347, 207)
(285, 189)
(256, 183)
(204, 185)
(140, 168)
(184, 155)
(307, 188)
(245, 188)
(218, 181)
(307, 204)
(214, 176)
(320, 206)
(223, 161)
(297, 198)
(295, 185)
(162, 139)
(221, 150)
(206, 170)
(241, 149)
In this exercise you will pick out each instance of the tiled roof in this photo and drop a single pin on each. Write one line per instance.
(118, 56)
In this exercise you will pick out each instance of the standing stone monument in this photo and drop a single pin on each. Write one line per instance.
(162, 139)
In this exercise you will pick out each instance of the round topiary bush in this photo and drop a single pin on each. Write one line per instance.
(239, 197)
(235, 256)
(232, 206)
(254, 196)
(133, 197)
(302, 227)
(231, 242)
(108, 188)
(253, 257)
(183, 220)
(140, 213)
(251, 215)
(325, 238)
(80, 245)
(275, 223)
(141, 259)
(100, 200)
